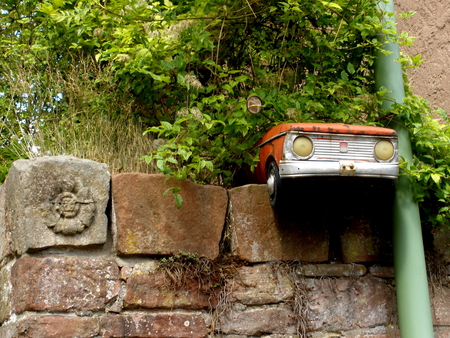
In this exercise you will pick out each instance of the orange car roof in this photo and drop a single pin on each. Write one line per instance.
(335, 128)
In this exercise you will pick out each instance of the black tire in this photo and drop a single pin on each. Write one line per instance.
(274, 186)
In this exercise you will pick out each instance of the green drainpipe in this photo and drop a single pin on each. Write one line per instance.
(413, 300)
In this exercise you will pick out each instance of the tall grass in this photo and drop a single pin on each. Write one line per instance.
(76, 111)
(116, 141)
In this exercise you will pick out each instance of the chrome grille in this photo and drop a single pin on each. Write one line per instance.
(359, 149)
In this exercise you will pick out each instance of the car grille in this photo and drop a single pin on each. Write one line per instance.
(360, 149)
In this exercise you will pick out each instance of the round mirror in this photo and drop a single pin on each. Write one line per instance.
(254, 104)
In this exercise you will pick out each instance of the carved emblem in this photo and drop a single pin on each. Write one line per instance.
(73, 209)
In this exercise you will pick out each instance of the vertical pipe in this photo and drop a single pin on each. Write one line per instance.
(413, 299)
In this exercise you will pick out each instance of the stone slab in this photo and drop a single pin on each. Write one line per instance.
(257, 321)
(260, 284)
(153, 289)
(382, 271)
(440, 304)
(5, 292)
(348, 304)
(260, 234)
(5, 233)
(366, 239)
(55, 326)
(332, 270)
(63, 284)
(162, 325)
(149, 222)
(57, 201)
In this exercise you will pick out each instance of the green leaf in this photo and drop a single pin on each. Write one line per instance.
(436, 178)
(350, 68)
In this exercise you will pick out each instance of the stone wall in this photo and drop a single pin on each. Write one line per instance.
(84, 254)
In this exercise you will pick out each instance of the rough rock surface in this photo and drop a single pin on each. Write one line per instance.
(366, 239)
(152, 288)
(63, 284)
(259, 234)
(256, 321)
(5, 234)
(345, 304)
(5, 293)
(332, 270)
(178, 325)
(55, 201)
(148, 222)
(440, 305)
(260, 284)
(57, 327)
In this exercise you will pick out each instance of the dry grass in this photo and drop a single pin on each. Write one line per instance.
(116, 141)
(78, 112)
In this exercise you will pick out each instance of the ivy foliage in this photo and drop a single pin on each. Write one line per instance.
(186, 68)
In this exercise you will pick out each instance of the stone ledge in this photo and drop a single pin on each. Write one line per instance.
(153, 325)
(259, 234)
(63, 284)
(148, 222)
(332, 270)
(56, 201)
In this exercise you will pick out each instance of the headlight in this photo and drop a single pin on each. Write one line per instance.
(303, 146)
(384, 150)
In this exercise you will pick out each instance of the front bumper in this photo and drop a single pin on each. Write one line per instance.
(292, 169)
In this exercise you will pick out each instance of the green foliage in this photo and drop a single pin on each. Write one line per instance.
(185, 69)
(429, 170)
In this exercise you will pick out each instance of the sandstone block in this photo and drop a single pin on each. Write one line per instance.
(5, 234)
(366, 239)
(259, 234)
(52, 326)
(440, 305)
(154, 289)
(55, 201)
(256, 321)
(347, 304)
(260, 284)
(440, 242)
(332, 270)
(153, 325)
(441, 332)
(63, 284)
(382, 271)
(147, 222)
(5, 293)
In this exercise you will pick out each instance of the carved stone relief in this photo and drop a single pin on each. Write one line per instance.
(73, 209)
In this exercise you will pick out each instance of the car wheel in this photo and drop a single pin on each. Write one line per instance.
(274, 186)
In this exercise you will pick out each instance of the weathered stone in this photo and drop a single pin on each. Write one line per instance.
(440, 243)
(332, 270)
(154, 289)
(441, 306)
(382, 271)
(255, 321)
(153, 325)
(5, 293)
(346, 304)
(5, 234)
(53, 326)
(362, 241)
(441, 332)
(260, 284)
(63, 284)
(54, 201)
(390, 331)
(259, 234)
(148, 222)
